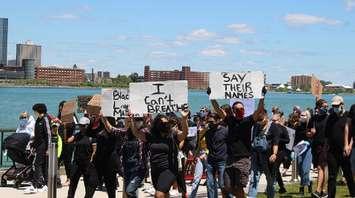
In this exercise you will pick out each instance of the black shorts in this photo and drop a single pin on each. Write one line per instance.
(320, 156)
(163, 179)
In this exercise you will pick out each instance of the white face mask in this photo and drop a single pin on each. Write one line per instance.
(23, 123)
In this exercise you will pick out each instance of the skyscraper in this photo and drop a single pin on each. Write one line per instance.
(3, 40)
(28, 51)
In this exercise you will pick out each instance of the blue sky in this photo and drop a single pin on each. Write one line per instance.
(279, 37)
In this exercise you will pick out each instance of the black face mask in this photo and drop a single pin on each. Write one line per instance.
(165, 128)
(322, 111)
(212, 125)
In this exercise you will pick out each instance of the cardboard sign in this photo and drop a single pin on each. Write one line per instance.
(249, 105)
(291, 135)
(242, 85)
(158, 97)
(68, 111)
(316, 87)
(115, 102)
(94, 105)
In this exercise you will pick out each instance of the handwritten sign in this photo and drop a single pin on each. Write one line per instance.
(115, 102)
(242, 85)
(158, 97)
(68, 111)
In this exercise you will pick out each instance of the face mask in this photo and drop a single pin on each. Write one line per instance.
(322, 111)
(303, 119)
(23, 123)
(165, 128)
(239, 114)
(337, 110)
(212, 125)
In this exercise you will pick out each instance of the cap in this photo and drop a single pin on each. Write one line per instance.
(84, 121)
(337, 100)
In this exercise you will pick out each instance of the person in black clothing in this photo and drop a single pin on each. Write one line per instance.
(40, 146)
(340, 144)
(317, 125)
(105, 159)
(239, 144)
(84, 150)
(163, 139)
(216, 139)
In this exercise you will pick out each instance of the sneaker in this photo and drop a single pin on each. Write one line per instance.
(43, 189)
(282, 190)
(150, 191)
(30, 190)
(301, 190)
(324, 195)
(174, 193)
(317, 194)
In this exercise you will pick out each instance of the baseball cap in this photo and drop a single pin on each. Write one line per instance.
(84, 121)
(337, 100)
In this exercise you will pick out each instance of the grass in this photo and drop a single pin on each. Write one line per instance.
(293, 189)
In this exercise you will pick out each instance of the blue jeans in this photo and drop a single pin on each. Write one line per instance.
(199, 168)
(260, 164)
(213, 168)
(304, 163)
(132, 182)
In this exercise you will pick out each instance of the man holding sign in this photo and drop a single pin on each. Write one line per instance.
(238, 164)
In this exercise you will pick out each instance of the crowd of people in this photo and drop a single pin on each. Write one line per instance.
(231, 148)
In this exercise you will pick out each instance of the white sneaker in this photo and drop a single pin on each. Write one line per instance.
(30, 190)
(43, 189)
(150, 191)
(174, 193)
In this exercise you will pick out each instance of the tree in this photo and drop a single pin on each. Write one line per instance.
(134, 76)
(324, 83)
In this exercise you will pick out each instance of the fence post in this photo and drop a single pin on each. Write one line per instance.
(52, 168)
(294, 170)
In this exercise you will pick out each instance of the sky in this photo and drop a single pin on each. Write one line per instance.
(279, 37)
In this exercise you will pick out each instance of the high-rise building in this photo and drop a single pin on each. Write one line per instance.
(301, 81)
(196, 80)
(106, 74)
(28, 51)
(3, 40)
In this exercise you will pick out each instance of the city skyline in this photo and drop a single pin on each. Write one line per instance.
(280, 38)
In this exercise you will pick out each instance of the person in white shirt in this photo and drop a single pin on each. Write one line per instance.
(26, 124)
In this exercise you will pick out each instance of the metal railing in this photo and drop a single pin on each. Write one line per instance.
(4, 160)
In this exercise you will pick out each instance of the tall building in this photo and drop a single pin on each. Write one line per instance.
(60, 76)
(106, 74)
(302, 82)
(196, 80)
(3, 40)
(28, 51)
(354, 85)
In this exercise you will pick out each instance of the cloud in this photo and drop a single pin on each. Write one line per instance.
(254, 52)
(350, 4)
(299, 19)
(195, 35)
(214, 52)
(162, 55)
(241, 28)
(229, 40)
(66, 16)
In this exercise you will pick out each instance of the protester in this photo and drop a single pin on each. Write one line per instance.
(317, 125)
(26, 124)
(216, 139)
(304, 151)
(85, 148)
(42, 135)
(239, 144)
(340, 144)
(163, 139)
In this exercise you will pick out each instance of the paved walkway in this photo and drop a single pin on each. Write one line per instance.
(10, 192)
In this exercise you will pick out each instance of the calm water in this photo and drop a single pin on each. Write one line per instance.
(16, 100)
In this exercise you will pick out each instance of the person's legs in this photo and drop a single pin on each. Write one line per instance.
(90, 180)
(306, 167)
(39, 163)
(347, 173)
(133, 185)
(211, 182)
(275, 170)
(110, 183)
(74, 178)
(333, 173)
(254, 177)
(68, 154)
(197, 177)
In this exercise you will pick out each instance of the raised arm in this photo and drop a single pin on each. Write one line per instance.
(261, 109)
(347, 143)
(140, 134)
(111, 129)
(216, 106)
(185, 126)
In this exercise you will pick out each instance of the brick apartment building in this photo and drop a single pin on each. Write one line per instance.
(60, 76)
(301, 81)
(196, 80)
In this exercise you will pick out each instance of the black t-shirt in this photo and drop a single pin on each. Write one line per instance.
(276, 135)
(318, 122)
(83, 147)
(162, 152)
(216, 140)
(239, 137)
(335, 132)
(41, 132)
(300, 133)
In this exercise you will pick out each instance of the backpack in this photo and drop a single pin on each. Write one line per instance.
(259, 142)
